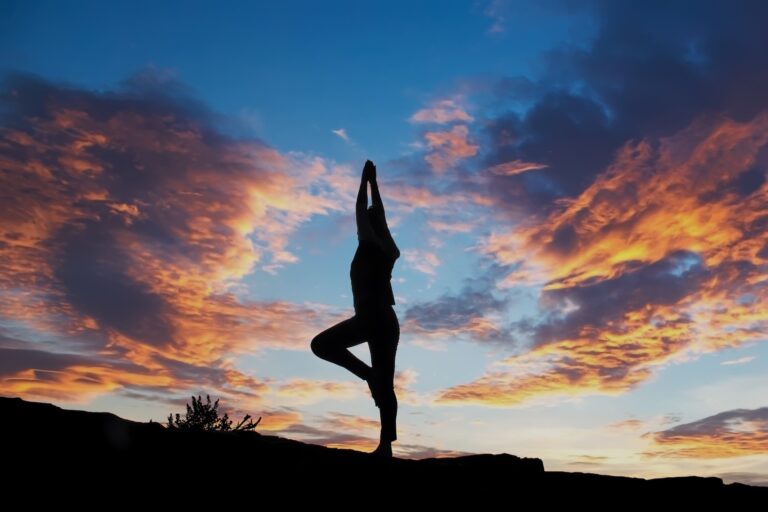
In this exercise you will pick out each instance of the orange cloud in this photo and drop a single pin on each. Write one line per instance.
(277, 420)
(125, 223)
(664, 256)
(316, 389)
(78, 383)
(347, 422)
(649, 203)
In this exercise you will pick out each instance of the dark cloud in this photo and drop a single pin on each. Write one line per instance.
(734, 433)
(651, 68)
(155, 398)
(93, 272)
(212, 375)
(146, 92)
(13, 360)
(570, 134)
(723, 422)
(663, 282)
(459, 312)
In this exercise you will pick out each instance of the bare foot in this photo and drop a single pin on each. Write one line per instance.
(384, 450)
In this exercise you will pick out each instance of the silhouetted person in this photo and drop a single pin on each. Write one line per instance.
(375, 320)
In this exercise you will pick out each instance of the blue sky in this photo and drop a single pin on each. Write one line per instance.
(338, 65)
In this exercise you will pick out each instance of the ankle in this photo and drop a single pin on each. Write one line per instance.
(384, 449)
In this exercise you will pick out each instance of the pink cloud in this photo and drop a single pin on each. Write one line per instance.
(441, 112)
(448, 147)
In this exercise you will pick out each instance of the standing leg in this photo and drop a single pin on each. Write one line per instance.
(384, 374)
(332, 345)
(383, 348)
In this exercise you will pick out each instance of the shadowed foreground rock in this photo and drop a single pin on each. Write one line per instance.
(41, 439)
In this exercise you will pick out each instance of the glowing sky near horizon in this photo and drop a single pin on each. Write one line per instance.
(579, 194)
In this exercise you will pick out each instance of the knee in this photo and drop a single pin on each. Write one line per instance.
(317, 346)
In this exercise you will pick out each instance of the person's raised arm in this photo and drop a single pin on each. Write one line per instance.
(364, 229)
(362, 194)
(375, 196)
(388, 243)
(379, 205)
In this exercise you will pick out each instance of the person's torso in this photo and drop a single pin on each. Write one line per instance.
(370, 273)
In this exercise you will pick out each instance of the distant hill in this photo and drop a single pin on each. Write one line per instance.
(48, 445)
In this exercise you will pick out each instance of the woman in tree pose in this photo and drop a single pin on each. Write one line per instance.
(375, 320)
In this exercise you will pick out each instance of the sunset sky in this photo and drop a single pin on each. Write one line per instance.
(578, 191)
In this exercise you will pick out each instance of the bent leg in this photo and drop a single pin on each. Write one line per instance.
(332, 345)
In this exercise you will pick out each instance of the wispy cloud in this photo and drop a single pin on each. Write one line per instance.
(342, 133)
(452, 227)
(497, 11)
(409, 198)
(741, 360)
(422, 260)
(515, 167)
(629, 424)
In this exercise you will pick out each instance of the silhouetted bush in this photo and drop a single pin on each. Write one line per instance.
(205, 417)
